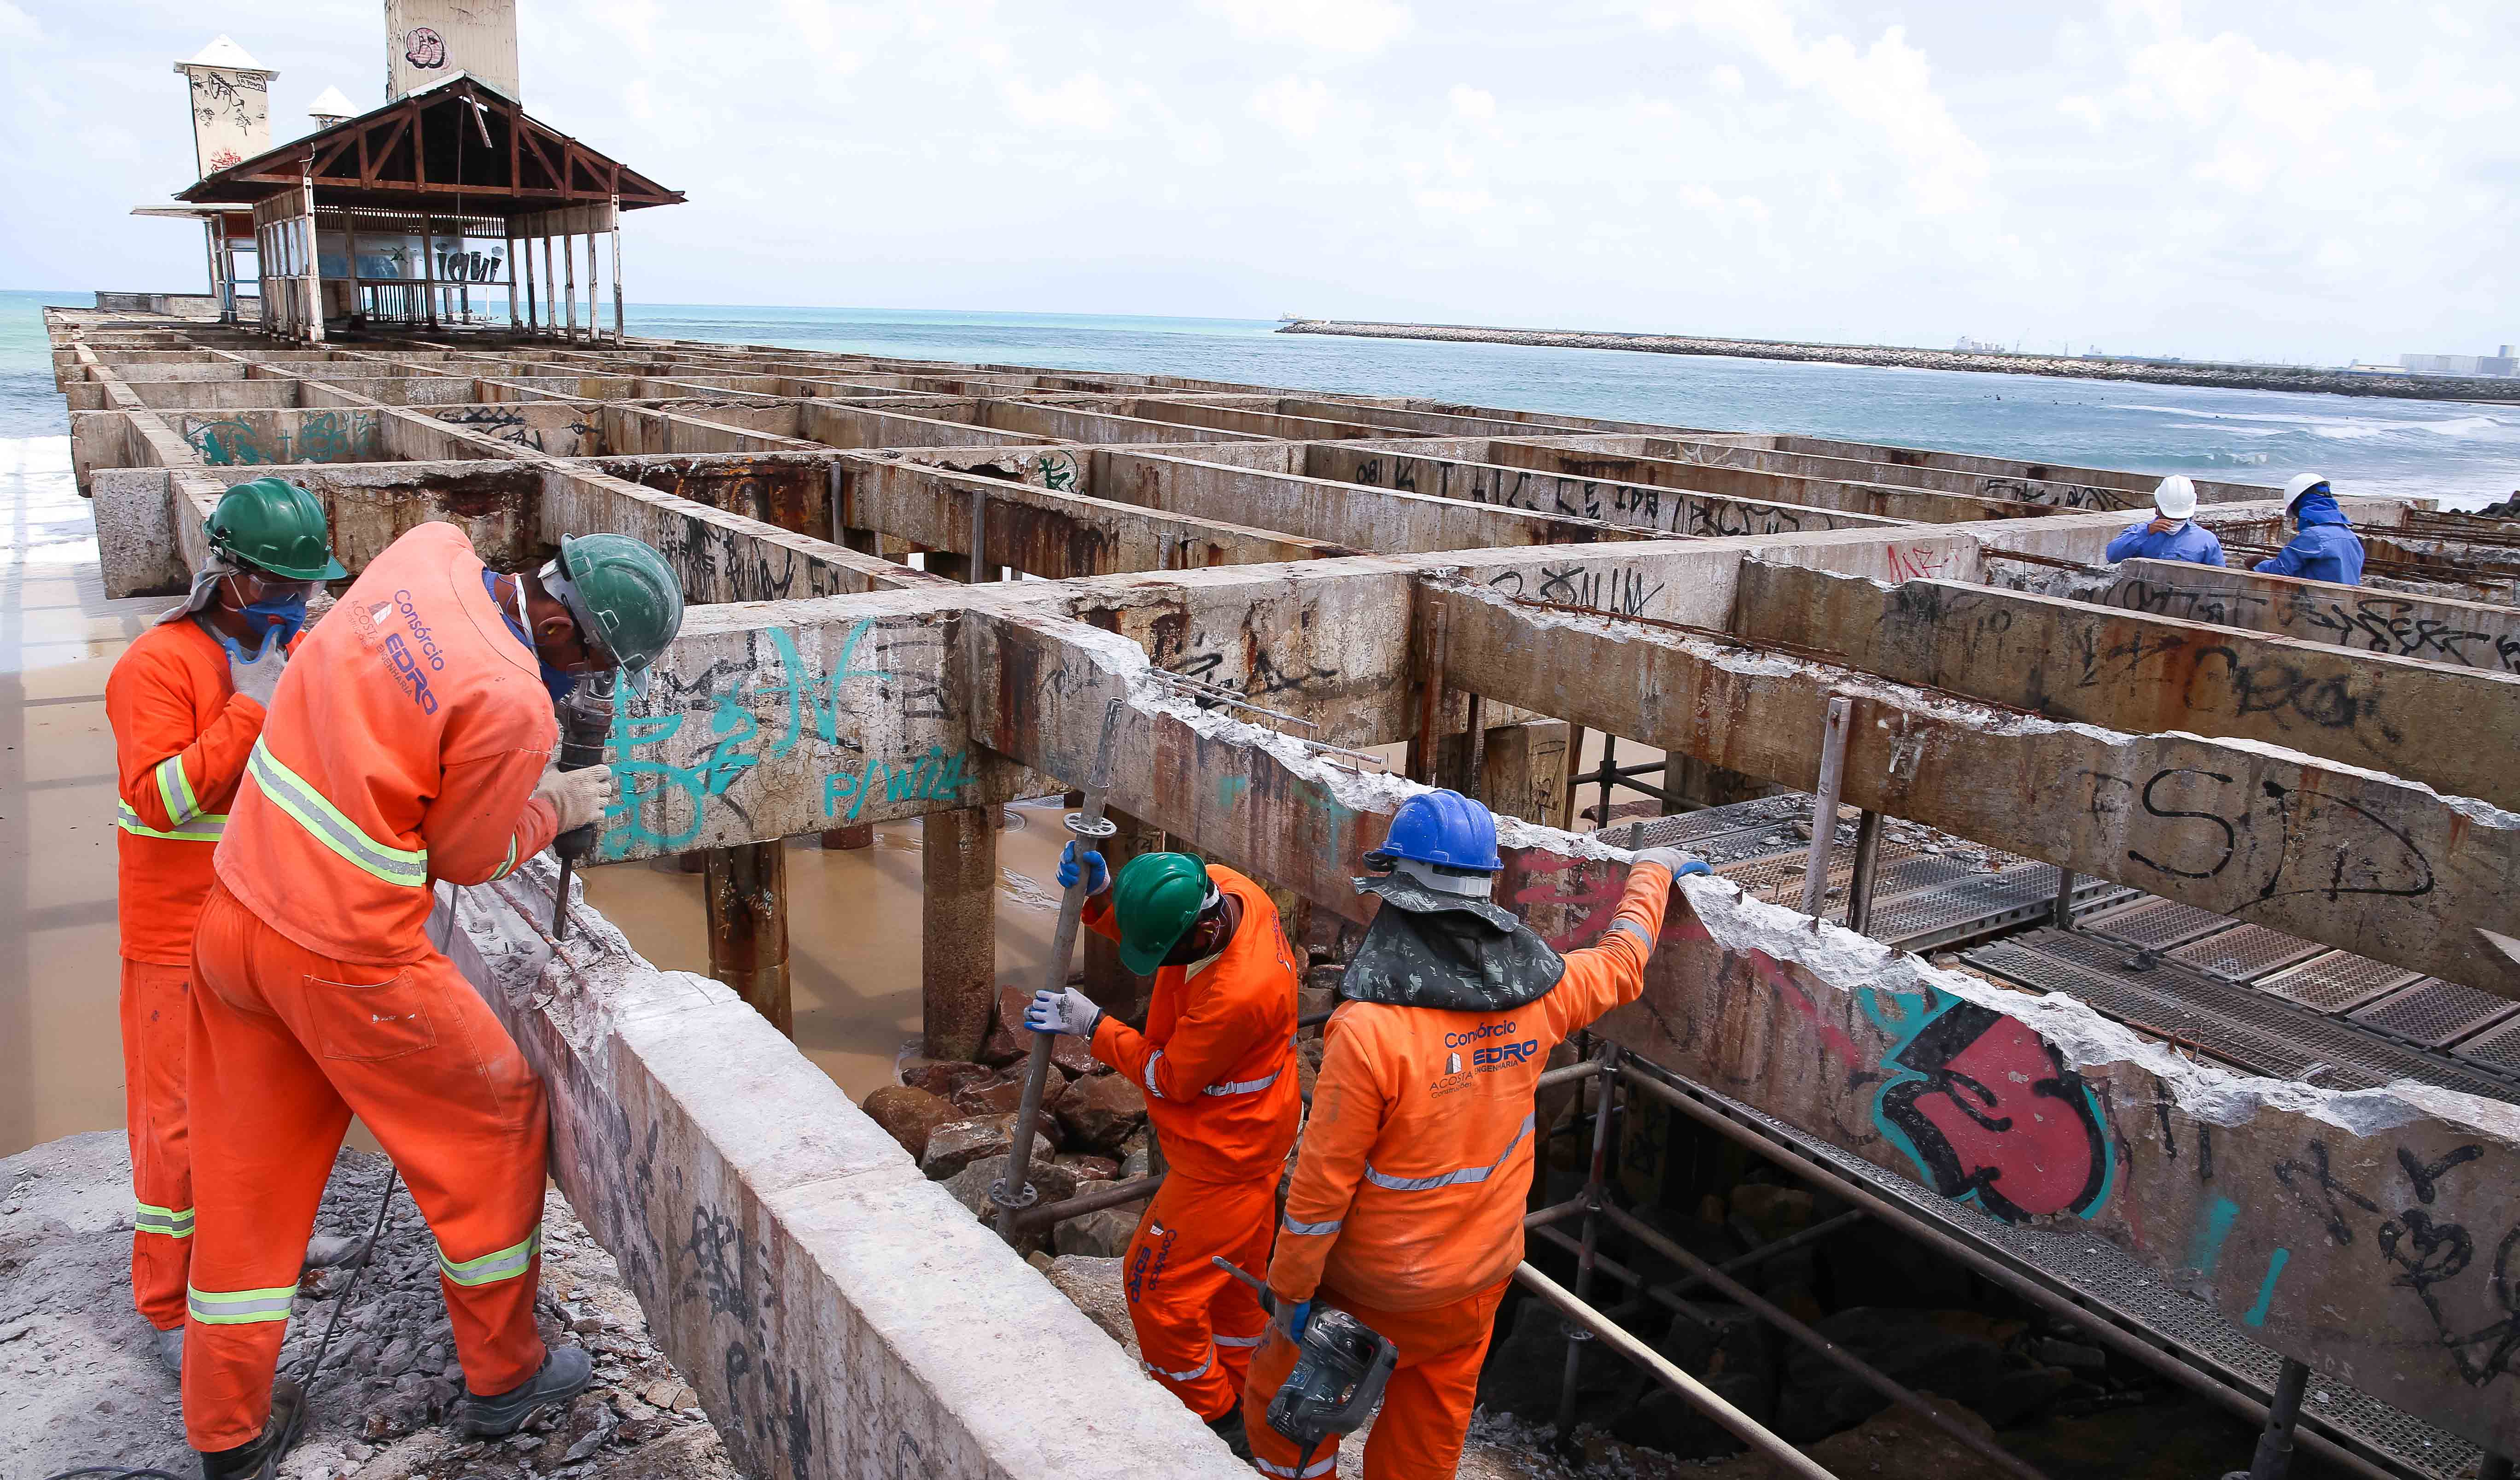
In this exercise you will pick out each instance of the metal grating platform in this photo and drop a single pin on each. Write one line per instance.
(2435, 1012)
(2499, 1048)
(2158, 924)
(2102, 1277)
(2261, 1033)
(2247, 953)
(2338, 982)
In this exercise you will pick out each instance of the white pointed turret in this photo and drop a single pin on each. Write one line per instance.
(330, 107)
(231, 101)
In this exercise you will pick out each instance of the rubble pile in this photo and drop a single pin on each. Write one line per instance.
(91, 1391)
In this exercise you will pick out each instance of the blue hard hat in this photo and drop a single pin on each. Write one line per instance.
(1441, 828)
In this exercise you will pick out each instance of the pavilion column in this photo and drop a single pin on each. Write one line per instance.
(616, 270)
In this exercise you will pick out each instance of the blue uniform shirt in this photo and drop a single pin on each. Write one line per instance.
(2327, 549)
(2188, 542)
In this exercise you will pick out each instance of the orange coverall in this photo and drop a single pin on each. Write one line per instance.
(1408, 1199)
(1218, 1064)
(403, 747)
(181, 733)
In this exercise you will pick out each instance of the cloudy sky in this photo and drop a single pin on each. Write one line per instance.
(2313, 180)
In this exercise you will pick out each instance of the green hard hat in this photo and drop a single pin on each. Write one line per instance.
(621, 593)
(1158, 898)
(273, 524)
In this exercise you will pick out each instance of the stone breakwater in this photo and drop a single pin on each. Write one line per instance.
(2229, 377)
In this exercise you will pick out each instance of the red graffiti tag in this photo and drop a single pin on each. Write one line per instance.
(1992, 1112)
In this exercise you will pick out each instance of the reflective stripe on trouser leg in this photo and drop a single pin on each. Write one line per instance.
(239, 1307)
(157, 1016)
(490, 1268)
(1180, 1301)
(173, 1222)
(1273, 1452)
(1312, 1471)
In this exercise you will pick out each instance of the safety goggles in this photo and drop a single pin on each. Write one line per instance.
(259, 586)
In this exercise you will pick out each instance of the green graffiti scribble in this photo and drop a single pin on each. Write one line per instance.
(228, 442)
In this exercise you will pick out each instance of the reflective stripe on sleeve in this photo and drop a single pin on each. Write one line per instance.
(197, 829)
(1150, 1076)
(1312, 1230)
(507, 866)
(1242, 1086)
(489, 1269)
(1313, 1471)
(1637, 931)
(172, 1223)
(239, 1307)
(1448, 1178)
(175, 789)
(328, 826)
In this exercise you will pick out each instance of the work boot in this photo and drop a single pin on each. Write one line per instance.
(170, 1350)
(332, 1250)
(260, 1460)
(564, 1375)
(1230, 1428)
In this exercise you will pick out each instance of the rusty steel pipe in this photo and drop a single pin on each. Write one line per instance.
(1042, 1215)
(1833, 783)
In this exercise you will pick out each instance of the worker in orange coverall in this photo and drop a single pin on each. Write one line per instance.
(1218, 1063)
(186, 702)
(1407, 1205)
(406, 745)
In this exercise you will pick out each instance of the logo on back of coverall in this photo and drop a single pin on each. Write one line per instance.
(408, 664)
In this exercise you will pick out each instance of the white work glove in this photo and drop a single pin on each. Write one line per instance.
(579, 796)
(1679, 861)
(257, 677)
(1071, 1011)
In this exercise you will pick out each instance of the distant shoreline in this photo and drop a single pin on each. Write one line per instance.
(2412, 387)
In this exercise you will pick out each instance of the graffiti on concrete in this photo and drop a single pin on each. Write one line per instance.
(2185, 822)
(762, 708)
(253, 441)
(1987, 1110)
(1603, 588)
(2466, 1292)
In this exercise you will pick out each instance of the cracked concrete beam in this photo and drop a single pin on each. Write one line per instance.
(2299, 1213)
(2436, 629)
(2455, 730)
(2365, 862)
(1611, 458)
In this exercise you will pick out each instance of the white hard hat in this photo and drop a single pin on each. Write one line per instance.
(2302, 482)
(2176, 498)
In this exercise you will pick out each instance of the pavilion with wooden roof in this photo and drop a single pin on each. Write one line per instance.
(418, 213)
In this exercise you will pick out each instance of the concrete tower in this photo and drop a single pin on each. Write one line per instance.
(231, 105)
(329, 108)
(431, 40)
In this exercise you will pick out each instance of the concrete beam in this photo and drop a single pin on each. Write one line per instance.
(2455, 730)
(2436, 629)
(1050, 534)
(1635, 506)
(1588, 459)
(838, 1313)
(1325, 509)
(2111, 1134)
(2381, 867)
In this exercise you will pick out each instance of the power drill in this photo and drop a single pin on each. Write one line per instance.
(582, 730)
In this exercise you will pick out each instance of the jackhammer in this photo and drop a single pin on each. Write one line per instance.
(582, 730)
(1337, 1378)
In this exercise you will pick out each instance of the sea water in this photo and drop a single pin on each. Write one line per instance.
(2465, 453)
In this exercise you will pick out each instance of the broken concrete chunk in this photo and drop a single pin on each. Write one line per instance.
(1102, 1234)
(1094, 1283)
(907, 1115)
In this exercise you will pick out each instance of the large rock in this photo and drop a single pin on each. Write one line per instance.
(1526, 1365)
(999, 1095)
(1101, 1110)
(1102, 1234)
(957, 1143)
(1094, 1283)
(1897, 1445)
(1090, 1168)
(942, 1076)
(1733, 1353)
(1955, 1353)
(907, 1115)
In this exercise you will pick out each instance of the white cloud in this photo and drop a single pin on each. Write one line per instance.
(1725, 79)
(1355, 28)
(17, 26)
(1296, 106)
(1473, 103)
(1082, 103)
